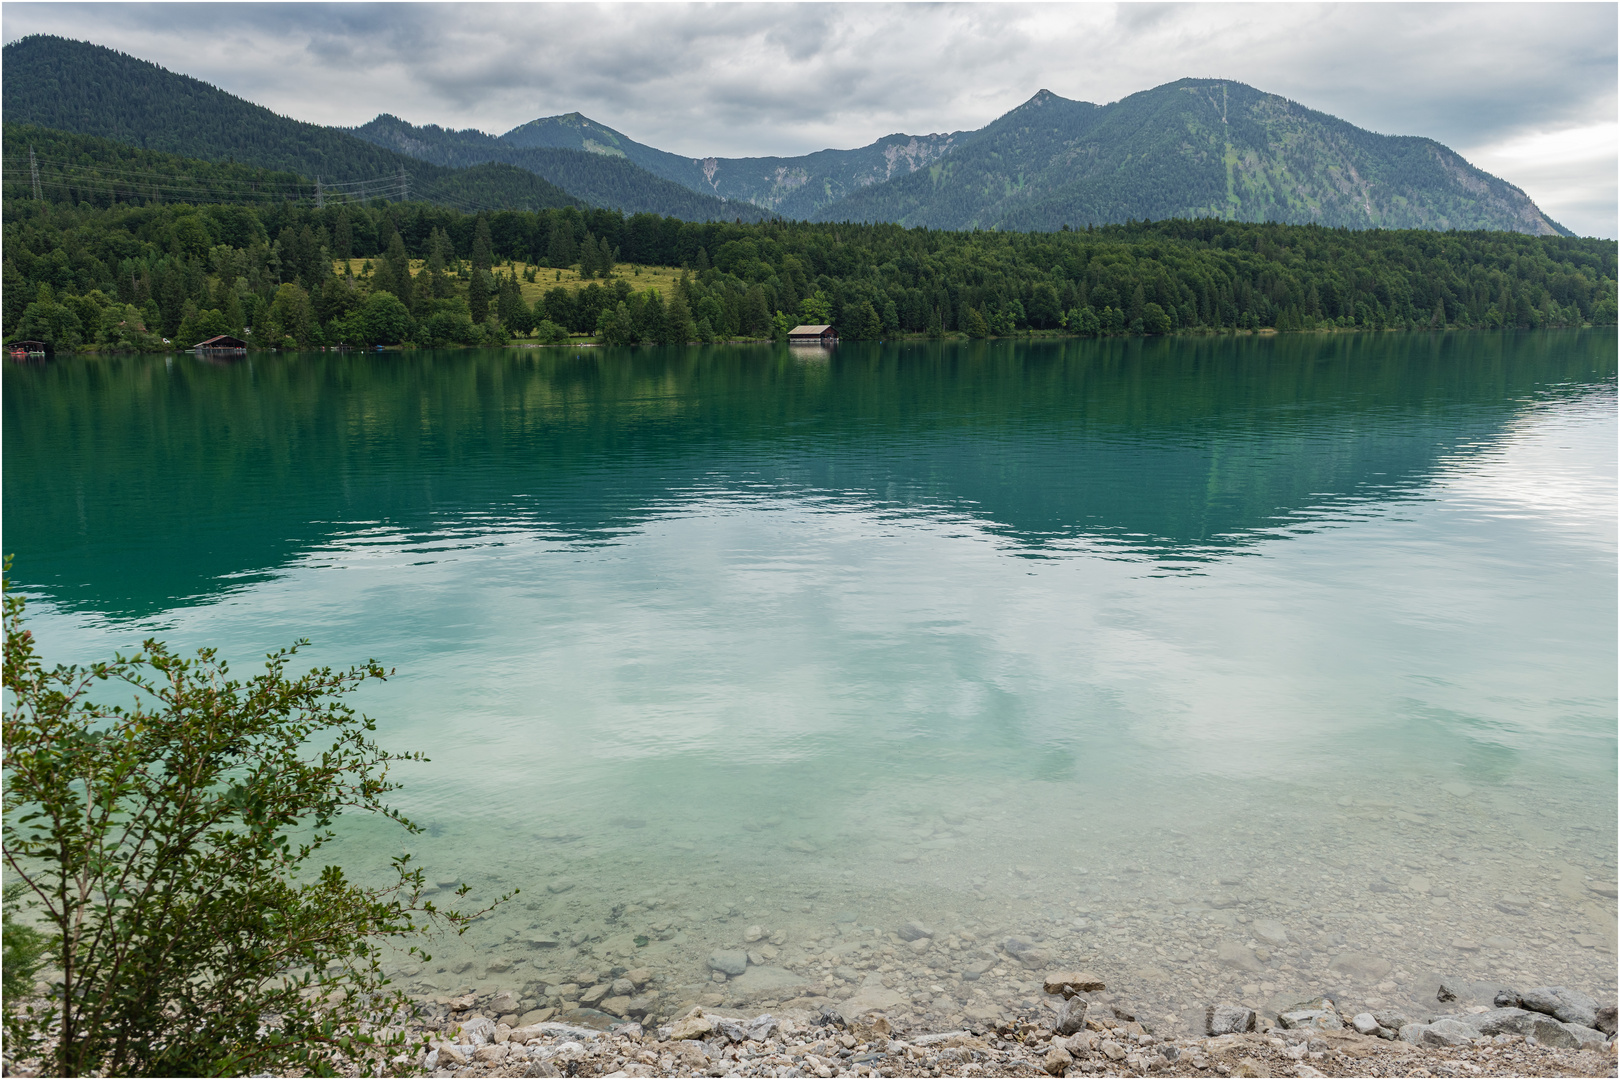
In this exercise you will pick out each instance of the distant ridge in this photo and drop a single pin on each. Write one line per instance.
(794, 187)
(600, 179)
(1190, 149)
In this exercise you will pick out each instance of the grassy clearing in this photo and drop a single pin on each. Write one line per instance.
(641, 278)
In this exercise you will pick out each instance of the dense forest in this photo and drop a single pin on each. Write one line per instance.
(120, 277)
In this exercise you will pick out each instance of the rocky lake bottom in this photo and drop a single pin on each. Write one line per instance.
(951, 917)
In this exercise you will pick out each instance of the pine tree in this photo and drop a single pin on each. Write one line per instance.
(587, 257)
(679, 328)
(756, 313)
(343, 236)
(478, 296)
(650, 327)
(483, 248)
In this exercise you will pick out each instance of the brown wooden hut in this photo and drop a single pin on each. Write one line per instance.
(221, 343)
(812, 335)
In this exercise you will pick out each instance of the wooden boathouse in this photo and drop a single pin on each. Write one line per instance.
(221, 343)
(812, 335)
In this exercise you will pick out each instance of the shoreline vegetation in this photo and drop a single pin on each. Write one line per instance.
(294, 277)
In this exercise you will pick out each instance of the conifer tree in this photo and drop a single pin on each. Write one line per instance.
(478, 296)
(678, 325)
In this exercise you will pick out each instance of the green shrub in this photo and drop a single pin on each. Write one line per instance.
(167, 846)
(24, 949)
(549, 333)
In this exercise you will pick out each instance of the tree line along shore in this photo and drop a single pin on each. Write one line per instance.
(293, 276)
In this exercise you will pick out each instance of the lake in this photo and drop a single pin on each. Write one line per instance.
(1238, 669)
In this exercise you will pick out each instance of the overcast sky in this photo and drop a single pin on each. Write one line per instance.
(1525, 91)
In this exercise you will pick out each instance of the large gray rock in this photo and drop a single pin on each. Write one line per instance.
(767, 981)
(1588, 1038)
(911, 930)
(1361, 966)
(1228, 1020)
(729, 961)
(1606, 1019)
(871, 995)
(1498, 1021)
(1413, 1033)
(1027, 953)
(1392, 1019)
(1549, 1032)
(1270, 931)
(1448, 1032)
(1365, 1023)
(1239, 956)
(1318, 1013)
(1561, 1003)
(1072, 1016)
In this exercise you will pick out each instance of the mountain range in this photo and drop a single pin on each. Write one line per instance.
(1189, 149)
(791, 187)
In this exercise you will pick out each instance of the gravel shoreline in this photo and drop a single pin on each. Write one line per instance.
(1072, 1033)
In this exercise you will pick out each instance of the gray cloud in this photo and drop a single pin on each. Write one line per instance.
(740, 79)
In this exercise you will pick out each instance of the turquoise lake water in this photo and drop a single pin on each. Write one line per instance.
(1127, 648)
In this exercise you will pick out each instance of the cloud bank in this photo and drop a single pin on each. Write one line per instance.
(1526, 91)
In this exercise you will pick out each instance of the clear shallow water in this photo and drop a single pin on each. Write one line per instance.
(1120, 647)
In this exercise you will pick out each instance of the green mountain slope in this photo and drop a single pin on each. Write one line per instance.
(1190, 149)
(793, 187)
(86, 89)
(86, 169)
(612, 181)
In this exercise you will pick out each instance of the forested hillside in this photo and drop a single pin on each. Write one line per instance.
(1191, 149)
(598, 179)
(86, 169)
(85, 89)
(115, 278)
